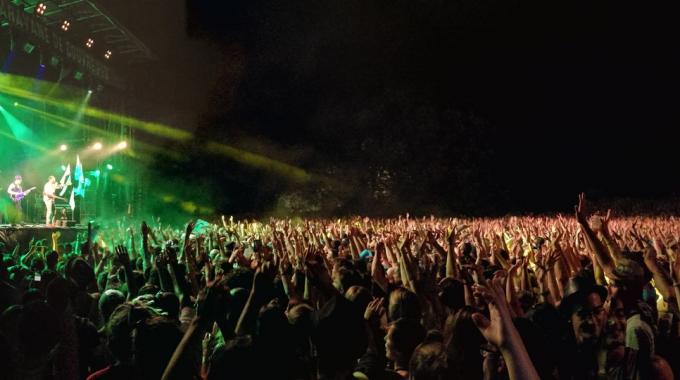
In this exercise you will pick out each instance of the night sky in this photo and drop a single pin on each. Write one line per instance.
(480, 107)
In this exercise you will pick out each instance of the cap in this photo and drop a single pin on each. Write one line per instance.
(17, 177)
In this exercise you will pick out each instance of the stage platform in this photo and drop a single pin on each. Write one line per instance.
(13, 235)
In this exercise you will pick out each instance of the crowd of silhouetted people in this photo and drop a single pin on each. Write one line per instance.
(583, 296)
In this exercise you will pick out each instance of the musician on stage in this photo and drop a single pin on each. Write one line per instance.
(48, 197)
(16, 193)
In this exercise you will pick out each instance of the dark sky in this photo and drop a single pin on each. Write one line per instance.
(430, 105)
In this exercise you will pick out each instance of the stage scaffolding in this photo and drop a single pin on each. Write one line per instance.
(30, 41)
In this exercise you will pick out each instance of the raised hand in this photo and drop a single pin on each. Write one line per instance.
(498, 328)
(145, 229)
(212, 303)
(317, 272)
(122, 255)
(580, 210)
(375, 310)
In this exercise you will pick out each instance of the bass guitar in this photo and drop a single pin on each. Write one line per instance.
(21, 195)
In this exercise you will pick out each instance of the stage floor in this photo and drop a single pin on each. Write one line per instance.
(13, 235)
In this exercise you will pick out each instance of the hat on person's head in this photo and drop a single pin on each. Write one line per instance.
(17, 177)
(577, 290)
(365, 254)
(630, 270)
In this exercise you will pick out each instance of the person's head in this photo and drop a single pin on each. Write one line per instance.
(155, 340)
(359, 295)
(345, 278)
(272, 324)
(452, 293)
(235, 360)
(121, 328)
(80, 272)
(169, 303)
(464, 341)
(583, 307)
(537, 346)
(39, 329)
(17, 180)
(37, 264)
(403, 336)
(629, 280)
(51, 179)
(109, 301)
(51, 259)
(588, 318)
(429, 362)
(300, 317)
(403, 303)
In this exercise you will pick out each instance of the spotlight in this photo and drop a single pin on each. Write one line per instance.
(109, 167)
(108, 54)
(122, 145)
(97, 146)
(16, 104)
(89, 43)
(40, 9)
(78, 75)
(89, 92)
(65, 26)
(63, 147)
(63, 168)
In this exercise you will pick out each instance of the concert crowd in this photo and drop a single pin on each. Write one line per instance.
(591, 295)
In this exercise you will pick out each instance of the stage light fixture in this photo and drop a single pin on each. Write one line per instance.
(97, 173)
(29, 47)
(40, 9)
(122, 145)
(63, 147)
(16, 104)
(97, 146)
(109, 167)
(107, 55)
(63, 168)
(78, 75)
(89, 43)
(89, 92)
(65, 26)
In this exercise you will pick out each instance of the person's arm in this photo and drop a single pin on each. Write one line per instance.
(660, 280)
(511, 292)
(256, 299)
(211, 304)
(377, 270)
(164, 278)
(124, 258)
(499, 330)
(55, 241)
(601, 226)
(189, 259)
(595, 244)
(451, 265)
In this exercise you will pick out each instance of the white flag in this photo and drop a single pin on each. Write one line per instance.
(65, 179)
(72, 201)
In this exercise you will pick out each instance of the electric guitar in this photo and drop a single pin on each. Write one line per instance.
(19, 196)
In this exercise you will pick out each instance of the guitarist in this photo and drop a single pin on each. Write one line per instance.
(16, 193)
(48, 197)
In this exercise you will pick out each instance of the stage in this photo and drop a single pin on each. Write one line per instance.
(13, 235)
